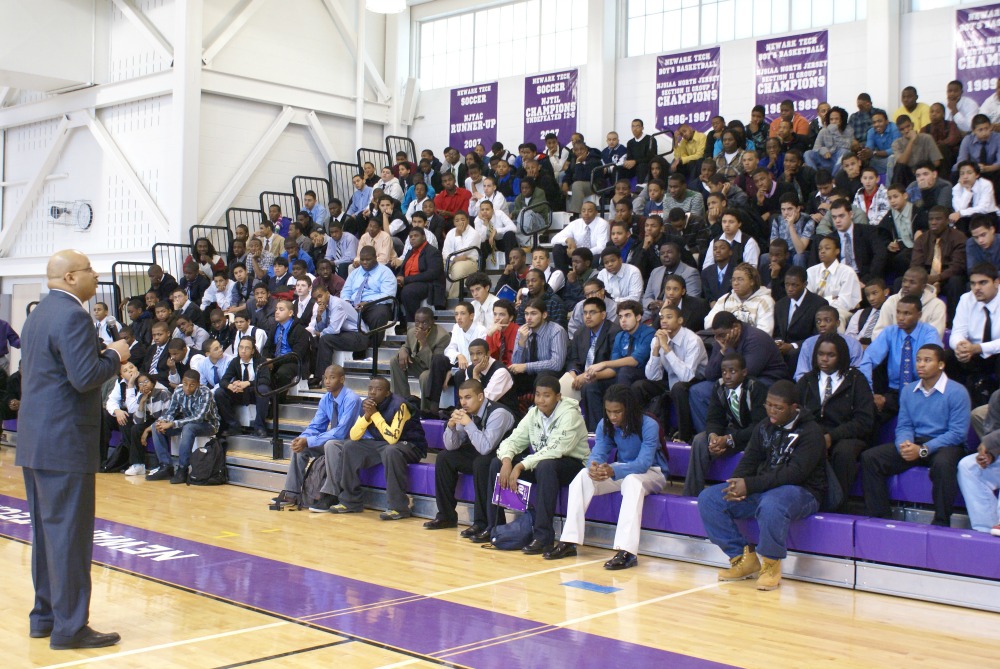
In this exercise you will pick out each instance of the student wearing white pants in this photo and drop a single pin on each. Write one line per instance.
(640, 470)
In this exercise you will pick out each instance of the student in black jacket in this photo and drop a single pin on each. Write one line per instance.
(782, 477)
(288, 336)
(154, 363)
(841, 400)
(600, 332)
(716, 278)
(735, 407)
(795, 315)
(422, 278)
(244, 382)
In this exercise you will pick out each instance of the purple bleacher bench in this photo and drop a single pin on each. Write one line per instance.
(891, 542)
(10, 425)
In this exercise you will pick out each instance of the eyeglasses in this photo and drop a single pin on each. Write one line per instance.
(88, 268)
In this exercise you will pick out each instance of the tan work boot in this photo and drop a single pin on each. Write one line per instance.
(741, 567)
(770, 575)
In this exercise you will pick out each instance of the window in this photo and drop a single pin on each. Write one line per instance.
(921, 5)
(660, 26)
(511, 40)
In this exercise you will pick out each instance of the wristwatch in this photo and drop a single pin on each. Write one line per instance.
(923, 452)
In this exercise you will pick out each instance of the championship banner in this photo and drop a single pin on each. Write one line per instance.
(473, 117)
(792, 68)
(687, 89)
(977, 50)
(550, 106)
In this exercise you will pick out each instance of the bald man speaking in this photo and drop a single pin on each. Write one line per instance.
(58, 449)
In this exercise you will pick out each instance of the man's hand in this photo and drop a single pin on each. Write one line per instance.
(480, 367)
(737, 490)
(368, 408)
(462, 362)
(983, 457)
(14, 405)
(717, 444)
(171, 365)
(515, 473)
(121, 348)
(570, 245)
(775, 268)
(522, 335)
(163, 425)
(761, 196)
(145, 435)
(893, 246)
(829, 440)
(404, 359)
(505, 469)
(399, 282)
(121, 416)
(628, 164)
(299, 444)
(909, 451)
(879, 401)
(517, 368)
(784, 347)
(578, 380)
(462, 417)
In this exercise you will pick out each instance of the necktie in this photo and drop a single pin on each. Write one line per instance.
(663, 283)
(734, 404)
(849, 251)
(533, 347)
(870, 325)
(361, 290)
(585, 237)
(906, 364)
(987, 327)
(156, 359)
(267, 243)
(828, 390)
(821, 290)
(722, 277)
(631, 345)
(334, 415)
(791, 311)
(936, 260)
(215, 375)
(336, 250)
(246, 374)
(982, 155)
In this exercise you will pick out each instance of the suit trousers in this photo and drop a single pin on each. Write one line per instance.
(647, 391)
(400, 382)
(358, 455)
(592, 402)
(979, 489)
(132, 438)
(333, 450)
(548, 476)
(62, 524)
(881, 462)
(633, 488)
(843, 457)
(355, 342)
(464, 460)
(226, 401)
(410, 297)
(459, 270)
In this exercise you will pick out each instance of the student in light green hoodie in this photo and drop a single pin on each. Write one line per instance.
(547, 448)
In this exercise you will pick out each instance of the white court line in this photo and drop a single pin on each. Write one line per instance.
(513, 578)
(629, 607)
(115, 656)
(404, 663)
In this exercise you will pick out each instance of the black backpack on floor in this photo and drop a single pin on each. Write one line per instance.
(208, 464)
(312, 482)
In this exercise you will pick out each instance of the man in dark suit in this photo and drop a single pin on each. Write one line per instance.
(716, 278)
(261, 308)
(58, 449)
(693, 309)
(154, 362)
(288, 337)
(160, 282)
(422, 275)
(795, 315)
(193, 283)
(136, 349)
(598, 333)
(244, 382)
(188, 309)
(868, 251)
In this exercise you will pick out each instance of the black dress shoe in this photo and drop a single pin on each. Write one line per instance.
(561, 550)
(40, 633)
(440, 524)
(470, 531)
(536, 547)
(481, 538)
(622, 560)
(88, 638)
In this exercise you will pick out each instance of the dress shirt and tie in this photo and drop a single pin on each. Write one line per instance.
(892, 345)
(338, 317)
(367, 285)
(684, 359)
(626, 284)
(546, 352)
(977, 323)
(212, 372)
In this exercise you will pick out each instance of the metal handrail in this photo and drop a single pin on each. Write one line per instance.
(448, 265)
(669, 133)
(277, 445)
(534, 207)
(30, 306)
(373, 333)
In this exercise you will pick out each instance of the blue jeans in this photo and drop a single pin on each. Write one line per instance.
(161, 442)
(774, 511)
(979, 488)
(832, 164)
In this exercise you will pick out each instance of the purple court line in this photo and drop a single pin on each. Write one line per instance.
(440, 631)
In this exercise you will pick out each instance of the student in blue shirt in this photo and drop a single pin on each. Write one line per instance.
(934, 415)
(337, 413)
(639, 469)
(360, 198)
(630, 352)
(369, 282)
(878, 144)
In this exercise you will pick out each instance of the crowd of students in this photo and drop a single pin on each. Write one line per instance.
(779, 290)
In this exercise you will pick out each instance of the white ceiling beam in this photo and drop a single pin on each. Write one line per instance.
(146, 27)
(248, 166)
(125, 170)
(95, 97)
(356, 44)
(11, 228)
(7, 94)
(319, 136)
(227, 28)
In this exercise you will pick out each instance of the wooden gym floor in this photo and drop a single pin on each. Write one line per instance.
(209, 577)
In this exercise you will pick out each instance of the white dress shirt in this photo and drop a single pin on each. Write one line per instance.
(842, 289)
(625, 285)
(484, 311)
(498, 200)
(259, 337)
(967, 108)
(970, 321)
(500, 383)
(501, 222)
(980, 199)
(205, 367)
(431, 239)
(578, 230)
(751, 252)
(460, 340)
(837, 377)
(991, 108)
(684, 360)
(415, 205)
(455, 242)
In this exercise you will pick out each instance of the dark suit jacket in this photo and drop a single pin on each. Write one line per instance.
(61, 387)
(430, 271)
(803, 323)
(952, 253)
(870, 250)
(307, 314)
(720, 419)
(137, 351)
(264, 317)
(160, 375)
(711, 289)
(195, 289)
(919, 222)
(693, 311)
(234, 372)
(298, 340)
(576, 356)
(196, 315)
(167, 286)
(850, 411)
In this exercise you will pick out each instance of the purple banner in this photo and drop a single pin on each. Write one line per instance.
(473, 117)
(977, 52)
(792, 68)
(687, 89)
(550, 106)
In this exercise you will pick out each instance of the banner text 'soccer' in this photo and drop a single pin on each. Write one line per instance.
(977, 50)
(792, 68)
(473, 117)
(687, 89)
(550, 106)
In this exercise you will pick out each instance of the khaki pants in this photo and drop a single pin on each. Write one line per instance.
(460, 269)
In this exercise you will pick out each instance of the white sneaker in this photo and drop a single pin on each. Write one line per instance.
(136, 470)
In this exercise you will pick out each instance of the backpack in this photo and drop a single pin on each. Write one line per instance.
(116, 460)
(312, 481)
(530, 222)
(208, 464)
(515, 535)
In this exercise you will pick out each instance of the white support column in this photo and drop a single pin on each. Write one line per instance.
(186, 109)
(882, 33)
(246, 170)
(146, 27)
(8, 235)
(397, 67)
(597, 104)
(356, 43)
(125, 170)
(359, 79)
(319, 136)
(230, 24)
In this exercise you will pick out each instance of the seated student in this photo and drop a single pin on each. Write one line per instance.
(338, 410)
(10, 400)
(193, 283)
(240, 288)
(832, 143)
(303, 302)
(268, 234)
(537, 289)
(931, 431)
(371, 282)
(341, 249)
(147, 400)
(238, 388)
(541, 261)
(928, 189)
(258, 262)
(794, 227)
(107, 326)
(478, 284)
(592, 288)
(582, 263)
(424, 339)
(495, 229)
(817, 204)
(716, 279)
(767, 203)
(636, 469)
(693, 309)
(978, 480)
(386, 432)
(547, 448)
(589, 231)
(878, 143)
(455, 356)
(872, 198)
(981, 146)
(735, 408)
(744, 247)
(462, 236)
(139, 320)
(137, 350)
(678, 196)
(502, 335)
(897, 346)
(186, 307)
(861, 327)
(376, 238)
(422, 276)
(975, 335)
(325, 276)
(470, 443)
(832, 280)
(748, 300)
(795, 315)
(540, 347)
(497, 382)
(782, 477)
(219, 292)
(984, 244)
(154, 363)
(903, 224)
(515, 272)
(289, 336)
(620, 236)
(589, 345)
(622, 282)
(840, 399)
(911, 149)
(160, 282)
(389, 217)
(763, 360)
(691, 234)
(827, 322)
(798, 175)
(191, 414)
(971, 195)
(282, 284)
(773, 266)
(212, 365)
(243, 328)
(914, 282)
(670, 264)
(116, 414)
(180, 358)
(193, 335)
(848, 179)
